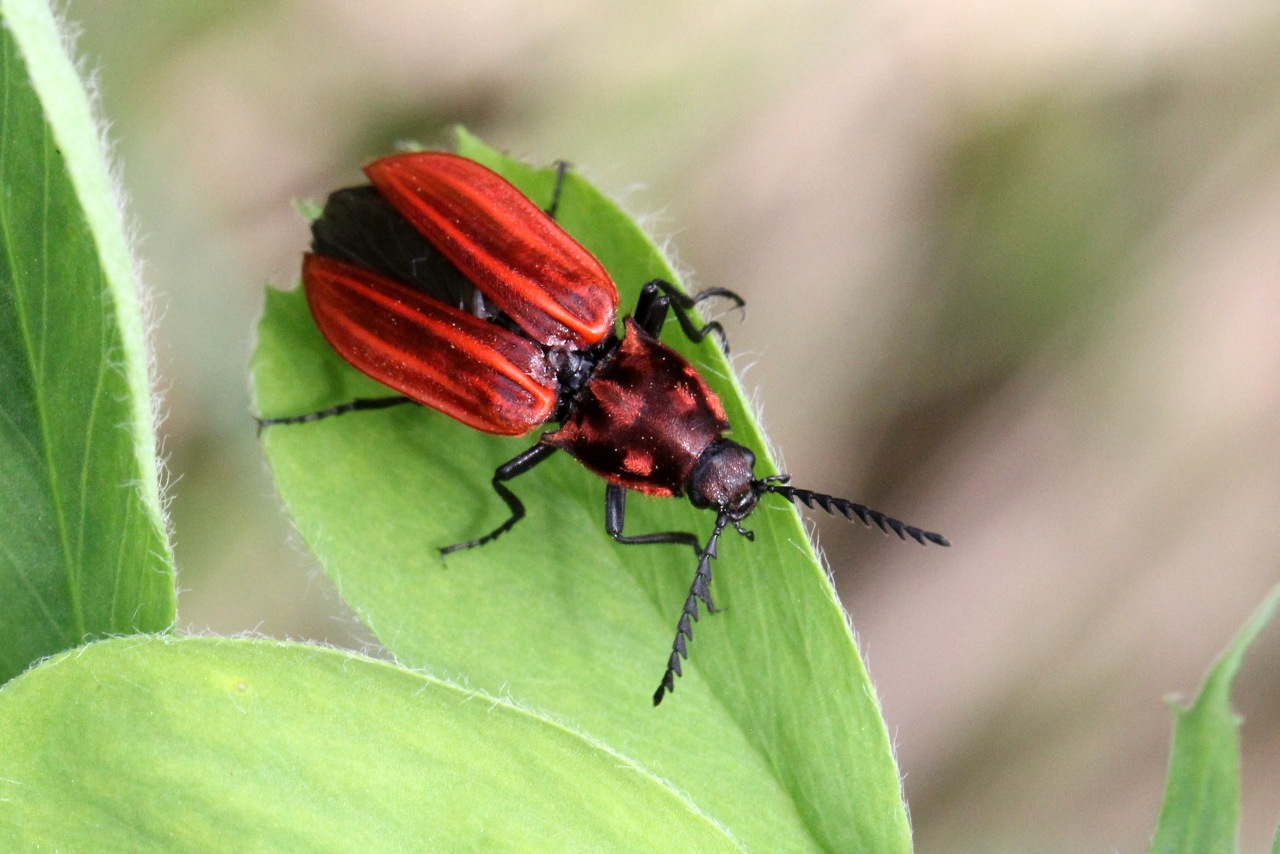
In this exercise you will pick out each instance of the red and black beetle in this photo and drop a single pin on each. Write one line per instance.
(444, 282)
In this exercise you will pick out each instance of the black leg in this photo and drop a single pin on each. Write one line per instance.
(615, 511)
(512, 468)
(657, 296)
(360, 404)
(562, 169)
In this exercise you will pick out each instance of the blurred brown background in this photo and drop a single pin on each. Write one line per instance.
(1013, 273)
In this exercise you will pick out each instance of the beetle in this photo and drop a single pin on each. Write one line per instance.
(443, 281)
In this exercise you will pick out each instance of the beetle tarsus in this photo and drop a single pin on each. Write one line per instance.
(517, 513)
(512, 468)
(562, 169)
(711, 293)
(360, 404)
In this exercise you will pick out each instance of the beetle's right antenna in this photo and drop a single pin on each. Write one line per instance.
(700, 589)
(849, 510)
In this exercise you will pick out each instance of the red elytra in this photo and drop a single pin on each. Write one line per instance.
(444, 282)
(493, 379)
(516, 255)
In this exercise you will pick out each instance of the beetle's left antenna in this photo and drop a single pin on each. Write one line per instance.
(700, 589)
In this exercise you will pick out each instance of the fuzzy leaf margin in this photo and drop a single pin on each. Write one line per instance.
(84, 553)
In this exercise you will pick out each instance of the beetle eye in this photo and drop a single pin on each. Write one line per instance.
(743, 507)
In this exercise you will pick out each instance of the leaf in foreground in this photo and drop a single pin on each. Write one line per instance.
(157, 744)
(83, 550)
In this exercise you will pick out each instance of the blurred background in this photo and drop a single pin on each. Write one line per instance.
(1013, 274)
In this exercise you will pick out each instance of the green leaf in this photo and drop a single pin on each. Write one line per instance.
(83, 552)
(155, 744)
(774, 730)
(1201, 809)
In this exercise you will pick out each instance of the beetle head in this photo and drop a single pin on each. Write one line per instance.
(723, 479)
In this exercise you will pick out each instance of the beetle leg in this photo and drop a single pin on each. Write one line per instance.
(514, 467)
(360, 404)
(561, 169)
(659, 295)
(615, 511)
